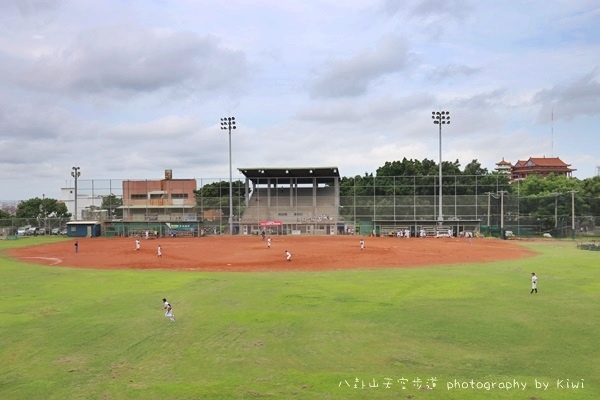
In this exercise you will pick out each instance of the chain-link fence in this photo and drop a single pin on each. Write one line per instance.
(490, 201)
(498, 206)
(32, 226)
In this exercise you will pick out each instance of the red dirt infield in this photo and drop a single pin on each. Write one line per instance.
(250, 253)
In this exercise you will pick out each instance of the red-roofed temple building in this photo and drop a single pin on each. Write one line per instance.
(540, 166)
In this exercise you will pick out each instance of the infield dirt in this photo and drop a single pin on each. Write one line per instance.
(250, 253)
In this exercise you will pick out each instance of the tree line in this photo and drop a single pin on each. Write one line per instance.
(394, 178)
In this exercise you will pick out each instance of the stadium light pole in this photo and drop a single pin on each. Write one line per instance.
(75, 174)
(489, 208)
(440, 118)
(227, 124)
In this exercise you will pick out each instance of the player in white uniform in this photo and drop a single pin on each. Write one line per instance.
(288, 256)
(269, 242)
(137, 244)
(169, 310)
(362, 244)
(533, 283)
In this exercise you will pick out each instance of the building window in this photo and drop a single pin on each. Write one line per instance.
(179, 196)
(138, 197)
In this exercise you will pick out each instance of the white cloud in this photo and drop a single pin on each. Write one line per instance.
(133, 60)
(352, 77)
(580, 97)
(127, 89)
(28, 8)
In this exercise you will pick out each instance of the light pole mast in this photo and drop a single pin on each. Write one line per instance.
(227, 124)
(75, 174)
(440, 118)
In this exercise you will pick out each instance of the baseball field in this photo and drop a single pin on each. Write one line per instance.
(404, 318)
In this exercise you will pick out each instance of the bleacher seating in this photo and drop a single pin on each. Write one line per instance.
(297, 208)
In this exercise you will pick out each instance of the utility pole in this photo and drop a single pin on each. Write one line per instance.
(573, 212)
(502, 192)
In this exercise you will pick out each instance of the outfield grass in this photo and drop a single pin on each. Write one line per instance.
(91, 334)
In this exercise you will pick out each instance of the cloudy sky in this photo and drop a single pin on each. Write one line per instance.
(125, 89)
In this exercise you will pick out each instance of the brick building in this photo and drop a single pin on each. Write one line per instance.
(164, 200)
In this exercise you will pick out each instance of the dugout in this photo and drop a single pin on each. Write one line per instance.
(431, 228)
(84, 229)
(291, 201)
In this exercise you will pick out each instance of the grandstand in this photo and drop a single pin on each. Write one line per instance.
(291, 201)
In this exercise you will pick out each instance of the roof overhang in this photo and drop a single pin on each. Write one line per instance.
(304, 175)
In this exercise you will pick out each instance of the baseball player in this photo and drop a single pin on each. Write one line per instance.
(169, 310)
(533, 283)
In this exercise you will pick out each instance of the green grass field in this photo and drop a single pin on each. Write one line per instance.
(467, 332)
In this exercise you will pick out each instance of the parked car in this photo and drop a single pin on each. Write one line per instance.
(40, 231)
(22, 231)
(63, 231)
(55, 231)
(31, 231)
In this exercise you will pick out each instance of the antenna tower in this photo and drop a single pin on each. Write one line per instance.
(552, 134)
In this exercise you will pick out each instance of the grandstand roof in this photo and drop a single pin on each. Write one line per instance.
(285, 175)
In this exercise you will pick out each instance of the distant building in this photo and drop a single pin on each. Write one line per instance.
(503, 167)
(84, 201)
(164, 200)
(9, 207)
(540, 166)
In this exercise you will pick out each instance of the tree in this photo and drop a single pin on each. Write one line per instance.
(112, 204)
(5, 218)
(415, 178)
(416, 168)
(38, 211)
(474, 168)
(42, 208)
(549, 199)
(591, 186)
(534, 185)
(215, 196)
(590, 195)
